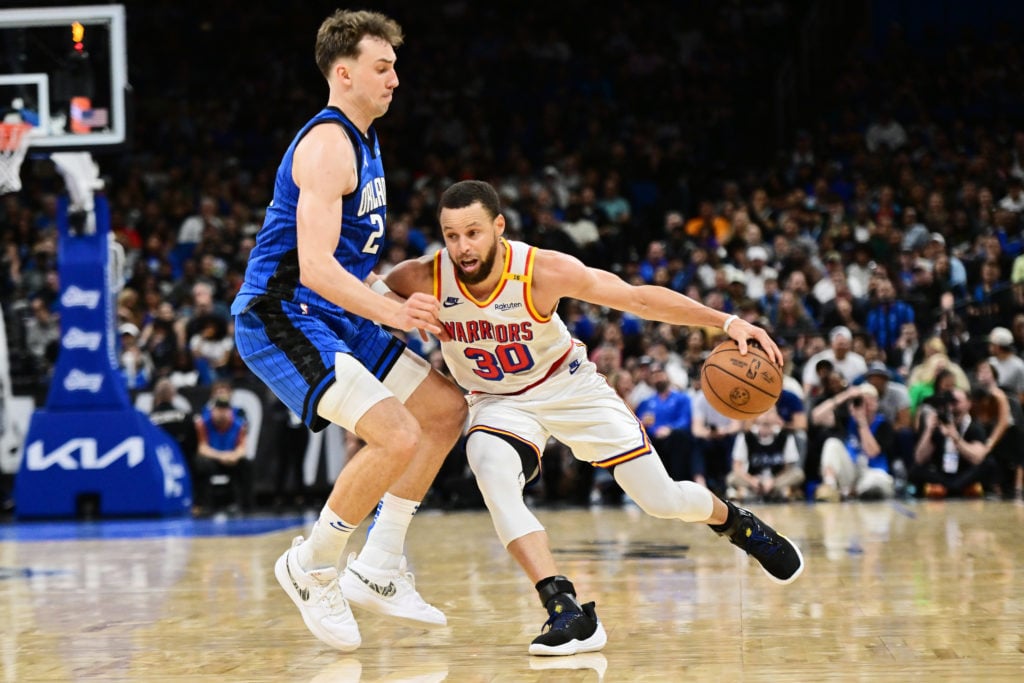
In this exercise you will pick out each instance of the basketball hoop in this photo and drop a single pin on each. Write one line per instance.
(13, 145)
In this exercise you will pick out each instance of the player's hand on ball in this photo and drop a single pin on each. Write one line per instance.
(742, 331)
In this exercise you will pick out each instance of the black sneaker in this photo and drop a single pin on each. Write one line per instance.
(779, 557)
(569, 630)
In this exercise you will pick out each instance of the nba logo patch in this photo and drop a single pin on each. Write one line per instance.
(304, 308)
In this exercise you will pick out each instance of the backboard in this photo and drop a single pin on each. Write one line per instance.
(64, 71)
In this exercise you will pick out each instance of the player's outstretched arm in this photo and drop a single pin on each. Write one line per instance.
(559, 275)
(409, 277)
(413, 280)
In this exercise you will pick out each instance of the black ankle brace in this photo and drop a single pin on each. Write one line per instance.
(726, 526)
(553, 586)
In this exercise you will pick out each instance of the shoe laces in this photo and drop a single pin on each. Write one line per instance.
(560, 619)
(756, 540)
(558, 622)
(332, 597)
(329, 594)
(405, 574)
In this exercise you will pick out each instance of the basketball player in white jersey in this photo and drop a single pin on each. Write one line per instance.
(528, 380)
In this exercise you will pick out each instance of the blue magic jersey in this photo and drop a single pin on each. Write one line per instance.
(274, 262)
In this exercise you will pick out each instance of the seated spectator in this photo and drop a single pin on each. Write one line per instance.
(937, 373)
(843, 310)
(792, 320)
(160, 339)
(667, 415)
(765, 462)
(950, 458)
(211, 349)
(654, 260)
(695, 350)
(908, 351)
(991, 302)
(170, 414)
(792, 408)
(222, 435)
(643, 388)
(135, 364)
(707, 227)
(848, 363)
(660, 353)
(894, 403)
(713, 437)
(757, 272)
(886, 316)
(855, 461)
(42, 333)
(999, 412)
(1005, 360)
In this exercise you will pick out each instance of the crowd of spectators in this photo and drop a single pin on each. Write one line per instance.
(882, 246)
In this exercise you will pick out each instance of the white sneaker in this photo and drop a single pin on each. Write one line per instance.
(388, 592)
(317, 595)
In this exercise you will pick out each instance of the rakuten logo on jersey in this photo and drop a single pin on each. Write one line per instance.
(80, 339)
(83, 381)
(74, 297)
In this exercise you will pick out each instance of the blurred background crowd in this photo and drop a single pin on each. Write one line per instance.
(850, 175)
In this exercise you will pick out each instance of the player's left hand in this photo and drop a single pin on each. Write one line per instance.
(743, 332)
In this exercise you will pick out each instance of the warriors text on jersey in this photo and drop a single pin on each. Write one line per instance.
(501, 344)
(274, 263)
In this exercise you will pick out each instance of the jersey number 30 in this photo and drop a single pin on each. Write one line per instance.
(507, 358)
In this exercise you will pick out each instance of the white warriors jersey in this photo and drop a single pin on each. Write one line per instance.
(501, 344)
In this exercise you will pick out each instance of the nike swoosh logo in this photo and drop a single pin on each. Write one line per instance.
(303, 592)
(450, 303)
(388, 591)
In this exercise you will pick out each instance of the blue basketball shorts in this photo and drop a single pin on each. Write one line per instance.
(292, 348)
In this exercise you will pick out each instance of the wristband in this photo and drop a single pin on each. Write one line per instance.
(380, 287)
(729, 321)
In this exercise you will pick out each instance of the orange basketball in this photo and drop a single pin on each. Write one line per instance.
(740, 386)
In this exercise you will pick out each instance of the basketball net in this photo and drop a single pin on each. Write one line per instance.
(13, 145)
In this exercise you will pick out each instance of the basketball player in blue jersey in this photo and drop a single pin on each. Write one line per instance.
(308, 322)
(529, 380)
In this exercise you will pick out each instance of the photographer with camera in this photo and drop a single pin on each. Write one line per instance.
(951, 456)
(855, 458)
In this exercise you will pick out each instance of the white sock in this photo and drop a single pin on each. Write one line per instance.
(385, 541)
(326, 542)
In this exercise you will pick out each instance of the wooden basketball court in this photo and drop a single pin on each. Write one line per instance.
(892, 592)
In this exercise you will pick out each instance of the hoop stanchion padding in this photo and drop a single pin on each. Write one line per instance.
(107, 463)
(90, 451)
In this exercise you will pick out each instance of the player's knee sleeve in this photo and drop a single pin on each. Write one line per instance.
(406, 375)
(353, 392)
(648, 484)
(499, 475)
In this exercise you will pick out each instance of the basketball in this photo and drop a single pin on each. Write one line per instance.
(740, 386)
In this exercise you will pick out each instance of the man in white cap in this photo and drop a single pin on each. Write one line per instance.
(846, 362)
(757, 271)
(1009, 365)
